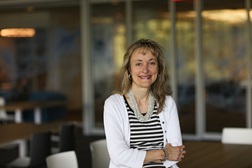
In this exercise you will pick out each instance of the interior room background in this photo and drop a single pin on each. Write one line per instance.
(207, 46)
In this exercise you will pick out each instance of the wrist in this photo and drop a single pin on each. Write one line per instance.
(165, 154)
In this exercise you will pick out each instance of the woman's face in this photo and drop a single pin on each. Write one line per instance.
(143, 68)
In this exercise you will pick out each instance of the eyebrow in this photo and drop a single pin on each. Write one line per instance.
(148, 60)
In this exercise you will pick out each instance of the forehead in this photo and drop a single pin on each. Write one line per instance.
(142, 52)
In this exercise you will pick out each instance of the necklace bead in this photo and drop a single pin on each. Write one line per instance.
(134, 106)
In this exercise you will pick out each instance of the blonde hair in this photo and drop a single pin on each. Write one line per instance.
(160, 88)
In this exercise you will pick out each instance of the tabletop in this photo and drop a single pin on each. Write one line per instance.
(26, 105)
(216, 155)
(14, 131)
(21, 106)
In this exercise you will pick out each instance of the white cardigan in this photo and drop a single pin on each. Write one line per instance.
(117, 131)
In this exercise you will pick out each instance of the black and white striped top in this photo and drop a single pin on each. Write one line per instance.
(146, 135)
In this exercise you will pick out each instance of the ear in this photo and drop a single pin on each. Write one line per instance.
(129, 74)
(128, 70)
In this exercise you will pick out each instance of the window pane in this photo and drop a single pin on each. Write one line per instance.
(108, 47)
(185, 65)
(150, 20)
(225, 65)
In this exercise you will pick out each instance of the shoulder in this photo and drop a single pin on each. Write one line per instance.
(169, 102)
(114, 98)
(169, 99)
(114, 106)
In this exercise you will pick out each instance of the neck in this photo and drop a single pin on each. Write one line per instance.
(140, 94)
(144, 106)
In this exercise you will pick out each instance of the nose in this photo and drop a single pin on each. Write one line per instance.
(145, 68)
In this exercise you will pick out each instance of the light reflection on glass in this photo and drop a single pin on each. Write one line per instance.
(18, 32)
(226, 16)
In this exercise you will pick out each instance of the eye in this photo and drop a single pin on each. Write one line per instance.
(138, 64)
(153, 63)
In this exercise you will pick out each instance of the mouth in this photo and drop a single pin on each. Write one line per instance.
(146, 77)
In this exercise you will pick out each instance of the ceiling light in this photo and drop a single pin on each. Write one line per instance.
(17, 32)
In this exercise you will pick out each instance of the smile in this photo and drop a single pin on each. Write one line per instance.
(145, 77)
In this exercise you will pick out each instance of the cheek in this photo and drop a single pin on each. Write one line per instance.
(134, 71)
(155, 71)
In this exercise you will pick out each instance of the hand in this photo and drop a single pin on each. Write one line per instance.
(175, 153)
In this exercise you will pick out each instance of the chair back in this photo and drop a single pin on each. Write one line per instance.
(99, 154)
(62, 160)
(237, 136)
(40, 148)
(4, 116)
(67, 137)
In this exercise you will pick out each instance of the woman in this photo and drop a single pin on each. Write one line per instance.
(141, 121)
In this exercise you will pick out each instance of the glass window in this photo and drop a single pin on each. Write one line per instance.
(108, 47)
(185, 65)
(225, 64)
(150, 20)
(50, 60)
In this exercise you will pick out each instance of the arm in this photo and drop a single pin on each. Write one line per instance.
(116, 130)
(172, 126)
(154, 156)
(174, 148)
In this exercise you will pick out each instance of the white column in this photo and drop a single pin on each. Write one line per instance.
(200, 92)
(86, 65)
(173, 49)
(18, 115)
(129, 21)
(37, 115)
(249, 83)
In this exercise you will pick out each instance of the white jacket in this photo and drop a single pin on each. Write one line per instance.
(117, 131)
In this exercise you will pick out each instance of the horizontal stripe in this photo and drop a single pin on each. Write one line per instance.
(146, 135)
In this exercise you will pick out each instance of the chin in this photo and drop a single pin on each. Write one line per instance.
(146, 86)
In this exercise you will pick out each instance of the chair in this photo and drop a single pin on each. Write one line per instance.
(8, 152)
(62, 160)
(99, 153)
(67, 138)
(4, 116)
(40, 148)
(237, 136)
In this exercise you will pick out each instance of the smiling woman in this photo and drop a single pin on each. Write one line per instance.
(141, 120)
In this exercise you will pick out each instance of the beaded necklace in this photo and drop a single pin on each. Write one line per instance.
(134, 106)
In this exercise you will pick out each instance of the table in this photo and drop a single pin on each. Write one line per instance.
(20, 132)
(216, 155)
(19, 107)
(15, 131)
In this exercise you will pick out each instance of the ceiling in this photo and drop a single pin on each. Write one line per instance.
(210, 4)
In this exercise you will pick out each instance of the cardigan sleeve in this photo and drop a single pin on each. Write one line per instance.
(169, 117)
(173, 132)
(114, 124)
